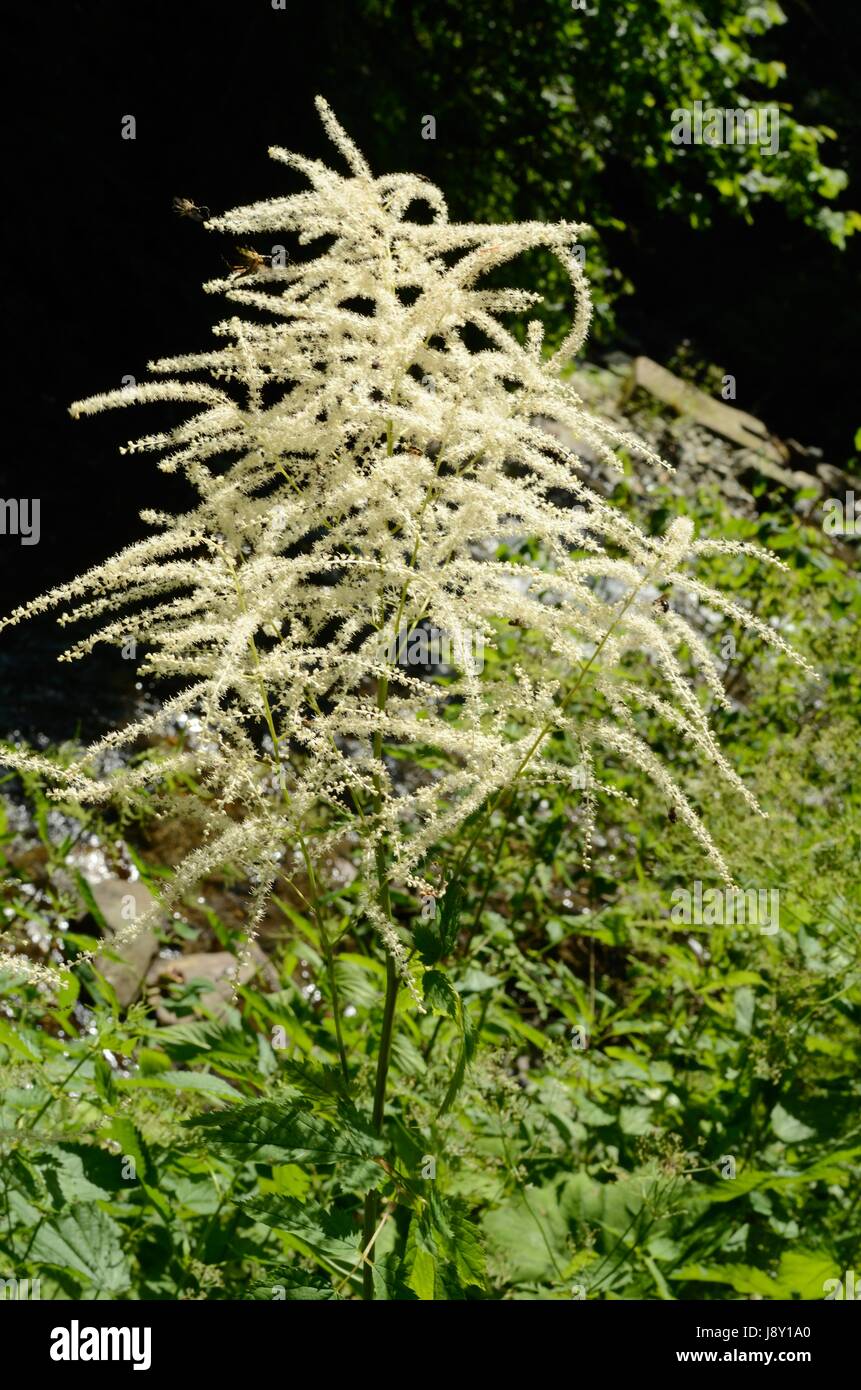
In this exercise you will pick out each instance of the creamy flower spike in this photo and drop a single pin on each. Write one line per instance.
(368, 432)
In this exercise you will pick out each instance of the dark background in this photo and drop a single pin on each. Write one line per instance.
(101, 275)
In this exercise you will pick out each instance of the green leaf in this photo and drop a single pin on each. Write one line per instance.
(804, 1272)
(104, 1079)
(421, 1277)
(742, 1278)
(285, 1284)
(530, 1234)
(12, 1039)
(787, 1128)
(151, 1061)
(443, 1256)
(182, 1081)
(801, 1272)
(635, 1119)
(326, 1234)
(271, 1131)
(132, 1146)
(436, 937)
(744, 1003)
(79, 1173)
(87, 1242)
(467, 1047)
(440, 994)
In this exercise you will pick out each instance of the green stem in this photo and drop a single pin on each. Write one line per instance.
(385, 1050)
(383, 1058)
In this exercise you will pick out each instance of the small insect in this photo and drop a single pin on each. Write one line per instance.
(411, 449)
(249, 261)
(662, 604)
(184, 207)
(672, 815)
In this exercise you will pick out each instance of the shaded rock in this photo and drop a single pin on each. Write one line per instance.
(687, 399)
(217, 968)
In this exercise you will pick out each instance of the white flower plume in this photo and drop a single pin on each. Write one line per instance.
(360, 439)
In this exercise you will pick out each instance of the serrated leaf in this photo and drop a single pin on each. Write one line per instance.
(132, 1145)
(182, 1081)
(87, 1242)
(293, 1286)
(271, 1131)
(79, 1173)
(436, 938)
(421, 1276)
(324, 1233)
(440, 994)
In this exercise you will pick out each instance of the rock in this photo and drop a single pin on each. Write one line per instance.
(216, 968)
(723, 419)
(119, 900)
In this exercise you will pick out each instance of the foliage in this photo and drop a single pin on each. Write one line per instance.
(555, 1169)
(552, 97)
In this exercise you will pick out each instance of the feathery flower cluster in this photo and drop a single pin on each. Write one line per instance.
(360, 440)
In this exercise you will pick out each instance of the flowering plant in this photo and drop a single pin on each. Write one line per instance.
(361, 440)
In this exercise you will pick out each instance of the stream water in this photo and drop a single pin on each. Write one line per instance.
(43, 699)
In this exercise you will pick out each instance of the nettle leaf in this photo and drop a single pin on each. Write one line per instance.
(420, 1260)
(333, 1236)
(133, 1145)
(406, 1056)
(187, 1042)
(79, 1173)
(443, 998)
(435, 938)
(443, 1256)
(291, 1285)
(388, 1280)
(312, 1079)
(441, 994)
(360, 1175)
(88, 1243)
(272, 1131)
(212, 1086)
